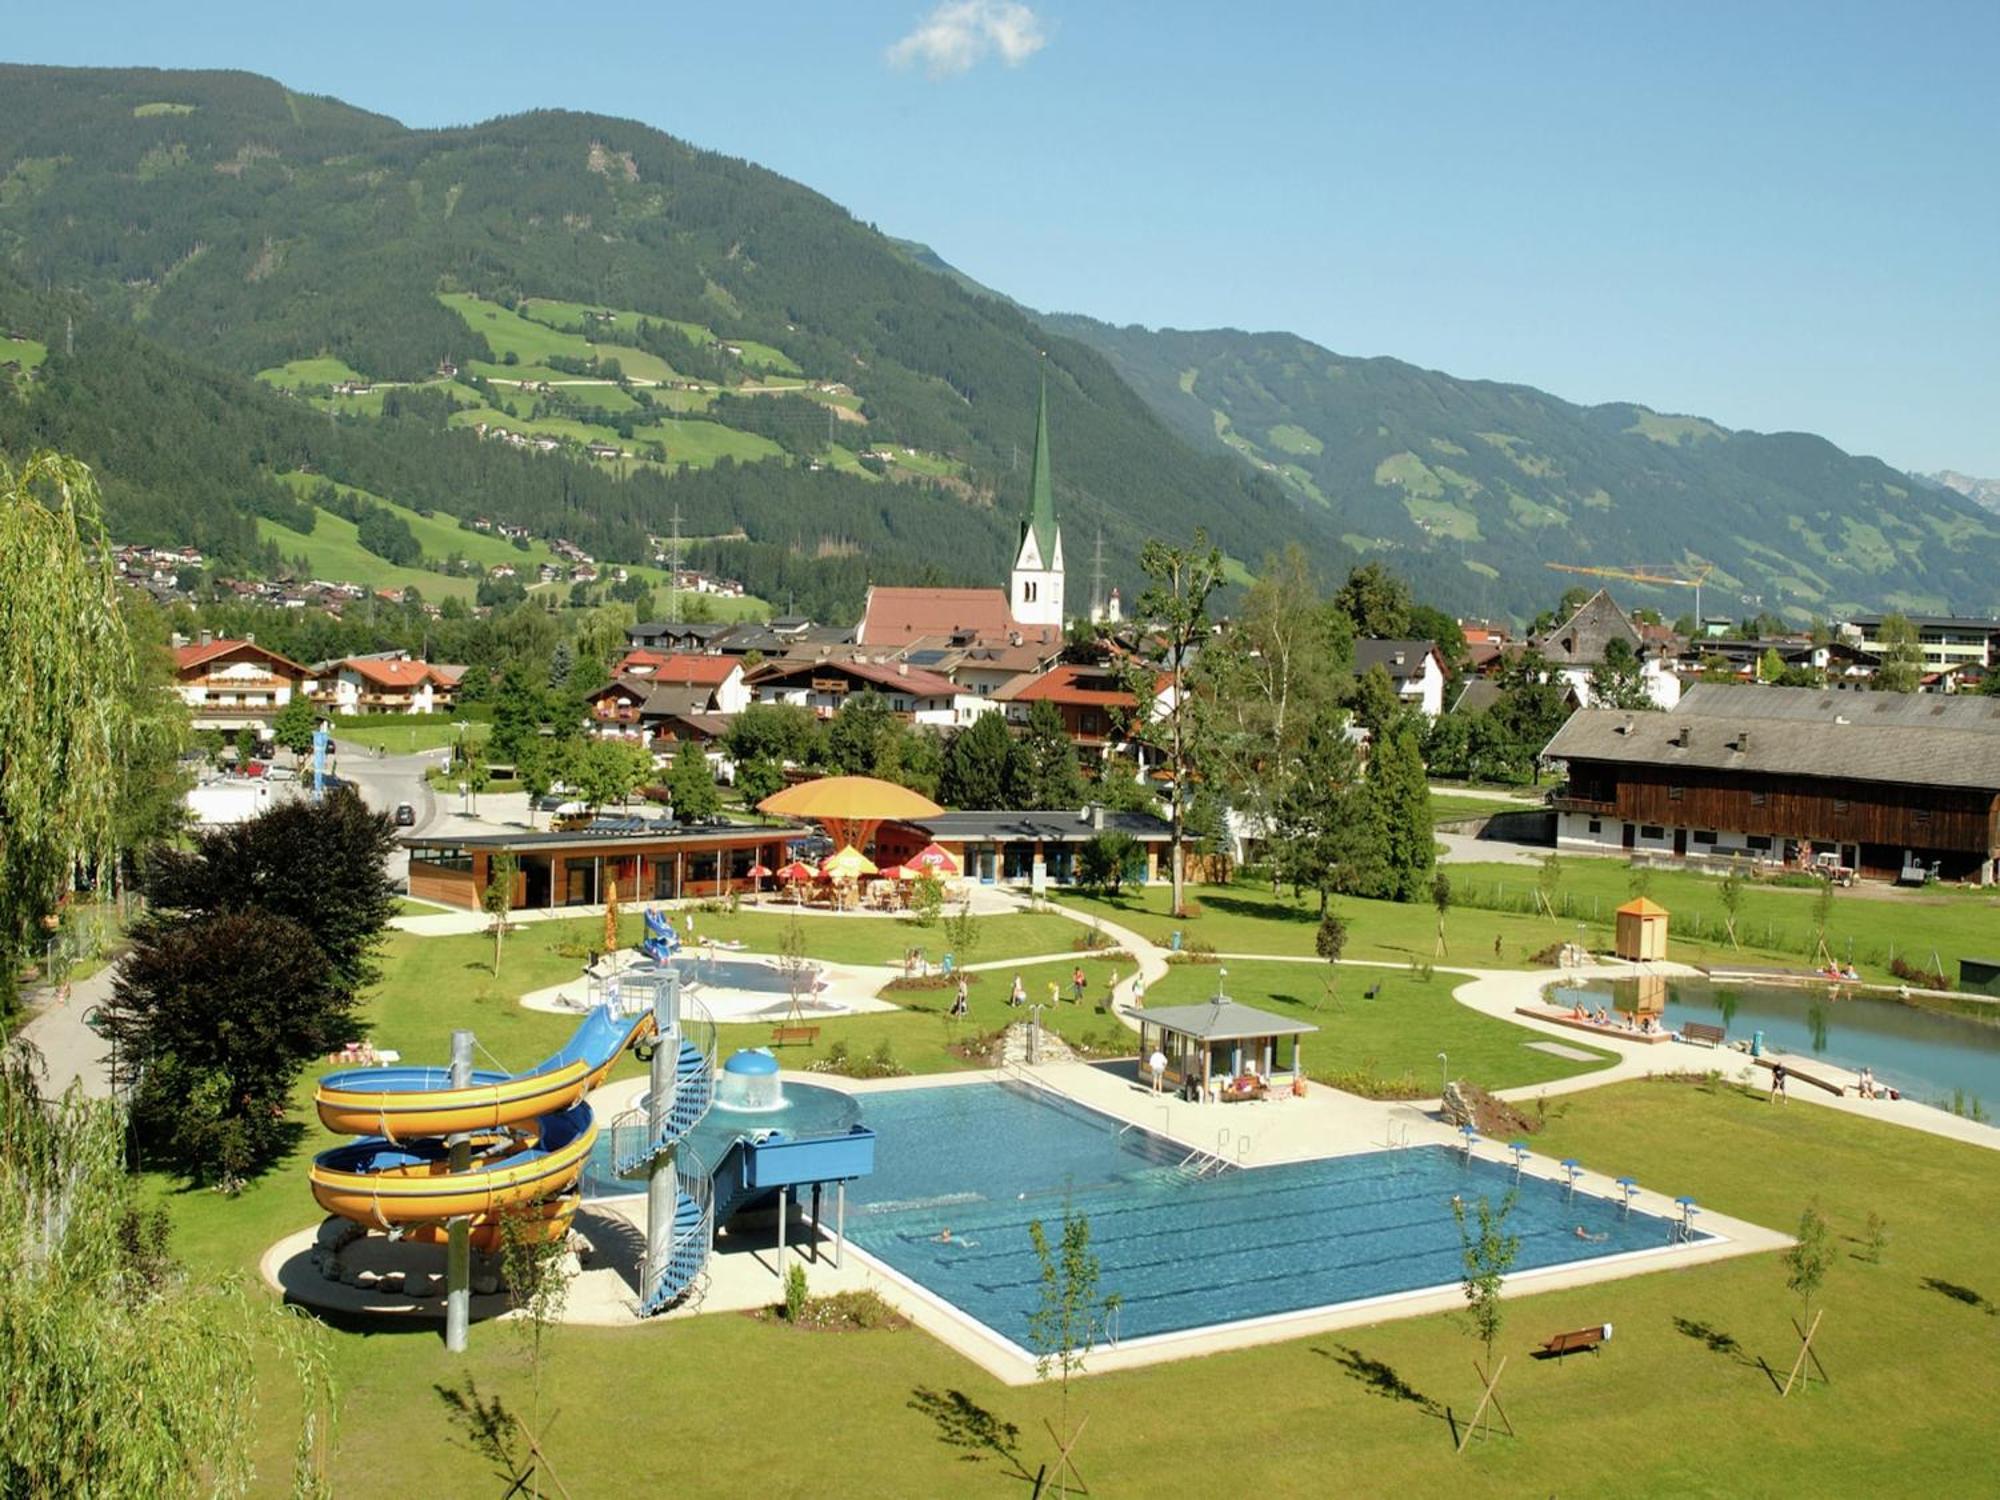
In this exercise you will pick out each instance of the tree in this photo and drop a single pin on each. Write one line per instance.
(211, 1019)
(1902, 668)
(1176, 600)
(149, 807)
(608, 771)
(927, 899)
(1770, 666)
(1487, 1253)
(1618, 681)
(1103, 859)
(1806, 1264)
(856, 734)
(478, 776)
(691, 784)
(124, 1374)
(1376, 601)
(976, 764)
(520, 709)
(1374, 702)
(1402, 793)
(293, 729)
(498, 897)
(1330, 942)
(1441, 903)
(962, 931)
(1067, 1323)
(1734, 883)
(1548, 882)
(321, 864)
(1042, 773)
(535, 768)
(780, 733)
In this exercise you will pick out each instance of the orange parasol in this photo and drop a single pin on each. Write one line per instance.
(849, 864)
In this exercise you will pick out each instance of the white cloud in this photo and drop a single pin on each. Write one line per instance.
(960, 33)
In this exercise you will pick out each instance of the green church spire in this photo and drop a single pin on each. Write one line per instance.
(1041, 518)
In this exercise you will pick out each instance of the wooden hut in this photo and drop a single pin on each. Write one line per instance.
(1642, 930)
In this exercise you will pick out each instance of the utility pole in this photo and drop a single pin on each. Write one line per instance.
(674, 570)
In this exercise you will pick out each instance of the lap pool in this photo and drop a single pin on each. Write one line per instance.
(1182, 1252)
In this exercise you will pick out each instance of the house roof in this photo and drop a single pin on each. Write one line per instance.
(188, 657)
(1222, 1021)
(678, 666)
(1402, 660)
(1071, 684)
(1478, 695)
(895, 677)
(1641, 906)
(896, 616)
(402, 674)
(1580, 640)
(1906, 739)
(1060, 827)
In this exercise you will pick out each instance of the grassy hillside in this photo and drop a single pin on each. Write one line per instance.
(1471, 486)
(256, 229)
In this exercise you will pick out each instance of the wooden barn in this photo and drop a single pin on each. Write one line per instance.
(1893, 785)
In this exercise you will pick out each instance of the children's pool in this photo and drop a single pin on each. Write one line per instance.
(1928, 1054)
(1182, 1252)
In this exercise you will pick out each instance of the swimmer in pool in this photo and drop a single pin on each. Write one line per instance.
(942, 1237)
(1585, 1234)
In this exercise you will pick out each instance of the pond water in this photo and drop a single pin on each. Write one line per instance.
(1928, 1054)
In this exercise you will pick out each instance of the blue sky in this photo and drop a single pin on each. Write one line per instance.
(1775, 215)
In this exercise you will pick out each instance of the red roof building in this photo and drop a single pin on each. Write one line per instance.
(233, 684)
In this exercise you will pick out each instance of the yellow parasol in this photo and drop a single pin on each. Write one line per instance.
(849, 807)
(849, 864)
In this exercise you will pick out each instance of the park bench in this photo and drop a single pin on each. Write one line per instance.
(781, 1035)
(1575, 1341)
(1701, 1031)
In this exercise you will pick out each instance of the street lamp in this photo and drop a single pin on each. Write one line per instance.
(1444, 1075)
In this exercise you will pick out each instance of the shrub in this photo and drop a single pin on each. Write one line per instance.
(795, 1293)
(1909, 973)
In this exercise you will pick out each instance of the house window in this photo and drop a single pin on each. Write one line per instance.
(1704, 836)
(1761, 842)
(1597, 825)
(1840, 804)
(1757, 799)
(1923, 815)
(1027, 591)
(1652, 831)
(1674, 793)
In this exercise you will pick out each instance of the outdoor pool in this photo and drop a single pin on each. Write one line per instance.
(756, 976)
(1182, 1252)
(1927, 1054)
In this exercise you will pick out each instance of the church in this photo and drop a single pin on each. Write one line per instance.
(1029, 612)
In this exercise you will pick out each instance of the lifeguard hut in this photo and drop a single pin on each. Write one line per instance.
(1642, 931)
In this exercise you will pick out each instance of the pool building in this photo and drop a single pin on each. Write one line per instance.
(1219, 1046)
(650, 862)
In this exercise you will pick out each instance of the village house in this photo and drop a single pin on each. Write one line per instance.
(719, 678)
(1945, 640)
(1576, 648)
(917, 696)
(1415, 669)
(235, 684)
(1894, 785)
(381, 684)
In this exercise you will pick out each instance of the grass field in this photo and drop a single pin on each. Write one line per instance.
(26, 353)
(440, 535)
(1909, 1344)
(700, 444)
(333, 551)
(407, 734)
(1445, 806)
(322, 370)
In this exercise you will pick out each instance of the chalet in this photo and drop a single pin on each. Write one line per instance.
(675, 635)
(234, 684)
(1883, 782)
(1096, 703)
(1415, 668)
(1838, 662)
(391, 684)
(1576, 648)
(824, 685)
(719, 677)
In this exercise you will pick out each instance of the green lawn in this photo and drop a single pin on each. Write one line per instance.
(1445, 805)
(407, 734)
(321, 370)
(1678, 1403)
(27, 353)
(1387, 1045)
(439, 534)
(700, 444)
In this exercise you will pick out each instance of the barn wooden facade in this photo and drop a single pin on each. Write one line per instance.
(1884, 783)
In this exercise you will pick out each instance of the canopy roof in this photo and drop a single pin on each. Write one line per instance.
(1222, 1020)
(849, 807)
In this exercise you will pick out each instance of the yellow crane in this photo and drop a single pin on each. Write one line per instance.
(1691, 576)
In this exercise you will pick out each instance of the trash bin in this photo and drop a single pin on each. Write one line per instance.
(1756, 1044)
(1174, 943)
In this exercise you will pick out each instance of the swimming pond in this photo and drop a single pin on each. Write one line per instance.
(1181, 1251)
(1927, 1054)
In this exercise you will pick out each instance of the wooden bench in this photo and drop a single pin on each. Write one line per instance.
(1576, 1341)
(781, 1035)
(1701, 1031)
(1793, 1075)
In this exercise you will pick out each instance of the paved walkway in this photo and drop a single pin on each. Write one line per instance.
(71, 1051)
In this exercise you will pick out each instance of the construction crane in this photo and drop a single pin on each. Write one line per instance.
(1693, 576)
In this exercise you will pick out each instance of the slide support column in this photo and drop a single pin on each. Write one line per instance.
(660, 1174)
(458, 1245)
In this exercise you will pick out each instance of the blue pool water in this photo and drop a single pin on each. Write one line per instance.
(808, 1110)
(1927, 1054)
(984, 1160)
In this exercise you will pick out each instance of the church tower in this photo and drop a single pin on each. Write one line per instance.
(1035, 596)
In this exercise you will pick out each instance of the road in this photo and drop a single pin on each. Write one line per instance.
(386, 780)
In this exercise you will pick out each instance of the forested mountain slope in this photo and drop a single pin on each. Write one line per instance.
(1470, 486)
(690, 330)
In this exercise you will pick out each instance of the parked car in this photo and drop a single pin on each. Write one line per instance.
(281, 773)
(406, 815)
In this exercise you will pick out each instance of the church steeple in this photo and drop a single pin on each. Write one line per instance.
(1036, 595)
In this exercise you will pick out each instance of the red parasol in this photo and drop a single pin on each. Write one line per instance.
(933, 860)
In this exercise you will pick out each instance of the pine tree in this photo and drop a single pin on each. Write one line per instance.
(1402, 793)
(976, 765)
(1042, 773)
(692, 783)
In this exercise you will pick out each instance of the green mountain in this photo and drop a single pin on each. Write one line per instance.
(568, 321)
(1470, 487)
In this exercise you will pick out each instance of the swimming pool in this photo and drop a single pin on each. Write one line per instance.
(1182, 1252)
(757, 976)
(1927, 1054)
